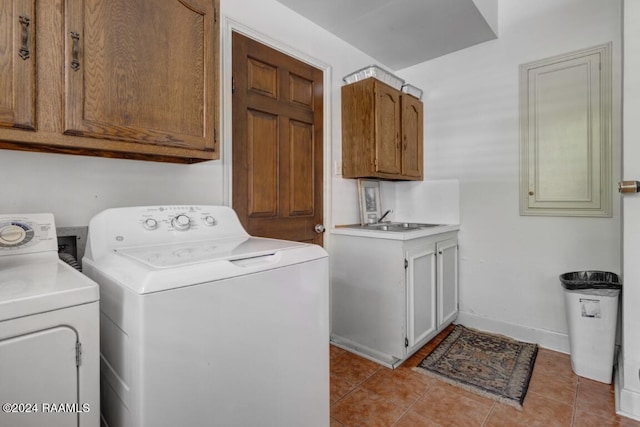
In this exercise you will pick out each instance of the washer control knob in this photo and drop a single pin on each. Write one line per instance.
(181, 222)
(150, 223)
(209, 220)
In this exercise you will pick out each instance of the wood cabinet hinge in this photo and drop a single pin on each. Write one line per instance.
(215, 14)
(215, 135)
(233, 84)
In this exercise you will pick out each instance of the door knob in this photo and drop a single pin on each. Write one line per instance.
(319, 228)
(628, 186)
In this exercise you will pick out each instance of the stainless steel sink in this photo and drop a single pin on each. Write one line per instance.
(413, 225)
(393, 226)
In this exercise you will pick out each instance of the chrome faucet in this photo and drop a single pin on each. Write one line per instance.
(385, 215)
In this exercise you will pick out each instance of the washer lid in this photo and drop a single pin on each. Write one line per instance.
(37, 283)
(179, 254)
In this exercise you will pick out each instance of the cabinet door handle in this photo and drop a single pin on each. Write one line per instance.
(75, 64)
(24, 49)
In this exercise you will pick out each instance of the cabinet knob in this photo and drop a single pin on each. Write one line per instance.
(319, 228)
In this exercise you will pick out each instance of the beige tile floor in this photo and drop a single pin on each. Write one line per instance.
(364, 393)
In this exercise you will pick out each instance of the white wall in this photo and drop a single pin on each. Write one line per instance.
(509, 264)
(489, 10)
(74, 188)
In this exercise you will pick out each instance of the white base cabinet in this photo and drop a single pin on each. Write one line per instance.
(390, 297)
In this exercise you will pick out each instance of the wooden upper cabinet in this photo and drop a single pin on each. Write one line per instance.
(140, 71)
(115, 78)
(381, 132)
(17, 64)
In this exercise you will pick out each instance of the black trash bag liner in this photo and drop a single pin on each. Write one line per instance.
(590, 280)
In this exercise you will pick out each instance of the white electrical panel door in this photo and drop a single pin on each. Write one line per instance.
(565, 124)
(38, 374)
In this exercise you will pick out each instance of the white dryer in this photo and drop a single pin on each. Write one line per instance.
(49, 344)
(204, 325)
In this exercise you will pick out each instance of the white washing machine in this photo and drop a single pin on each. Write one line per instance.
(49, 345)
(204, 325)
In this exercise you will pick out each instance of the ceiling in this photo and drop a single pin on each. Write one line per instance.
(401, 33)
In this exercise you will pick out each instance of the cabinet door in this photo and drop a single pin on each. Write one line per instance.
(565, 134)
(40, 367)
(412, 137)
(142, 71)
(421, 293)
(387, 129)
(17, 64)
(447, 281)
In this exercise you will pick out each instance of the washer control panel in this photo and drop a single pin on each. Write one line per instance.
(129, 227)
(181, 219)
(25, 233)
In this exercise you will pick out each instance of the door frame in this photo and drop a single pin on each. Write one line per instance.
(627, 383)
(228, 27)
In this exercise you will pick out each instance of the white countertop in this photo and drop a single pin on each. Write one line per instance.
(394, 235)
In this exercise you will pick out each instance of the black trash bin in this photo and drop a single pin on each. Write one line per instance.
(591, 304)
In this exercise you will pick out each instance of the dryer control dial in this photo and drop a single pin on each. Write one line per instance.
(15, 234)
(209, 220)
(181, 222)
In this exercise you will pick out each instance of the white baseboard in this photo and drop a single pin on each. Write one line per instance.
(627, 401)
(547, 339)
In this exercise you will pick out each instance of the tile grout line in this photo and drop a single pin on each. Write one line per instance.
(413, 404)
(426, 390)
(356, 386)
(575, 404)
(486, 419)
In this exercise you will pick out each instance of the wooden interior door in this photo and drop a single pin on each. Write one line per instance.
(277, 143)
